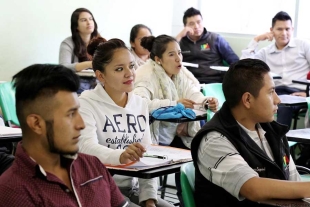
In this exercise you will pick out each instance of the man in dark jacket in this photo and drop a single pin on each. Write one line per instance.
(204, 48)
(242, 155)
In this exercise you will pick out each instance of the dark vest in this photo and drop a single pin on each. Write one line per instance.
(204, 53)
(209, 194)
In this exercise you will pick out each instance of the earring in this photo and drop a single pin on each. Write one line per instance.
(158, 63)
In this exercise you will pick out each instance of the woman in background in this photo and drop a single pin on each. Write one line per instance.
(73, 50)
(162, 81)
(116, 120)
(140, 54)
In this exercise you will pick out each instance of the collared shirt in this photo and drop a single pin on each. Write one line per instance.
(27, 184)
(231, 170)
(292, 62)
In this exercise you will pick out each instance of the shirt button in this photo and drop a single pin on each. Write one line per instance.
(67, 190)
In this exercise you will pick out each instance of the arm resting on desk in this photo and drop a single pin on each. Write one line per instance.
(257, 189)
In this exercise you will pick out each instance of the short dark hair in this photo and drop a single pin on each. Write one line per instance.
(280, 16)
(103, 51)
(189, 13)
(156, 45)
(41, 81)
(135, 30)
(243, 76)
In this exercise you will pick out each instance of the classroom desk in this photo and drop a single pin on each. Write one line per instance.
(225, 69)
(289, 100)
(149, 173)
(86, 73)
(4, 139)
(303, 82)
(180, 120)
(299, 135)
(285, 203)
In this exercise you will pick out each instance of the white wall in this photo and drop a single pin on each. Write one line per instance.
(32, 30)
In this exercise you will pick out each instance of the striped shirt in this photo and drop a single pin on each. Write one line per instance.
(220, 162)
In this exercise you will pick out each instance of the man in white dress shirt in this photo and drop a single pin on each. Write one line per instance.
(288, 57)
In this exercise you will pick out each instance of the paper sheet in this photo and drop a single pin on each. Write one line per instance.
(10, 132)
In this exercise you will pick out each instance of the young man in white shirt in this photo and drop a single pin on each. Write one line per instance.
(287, 56)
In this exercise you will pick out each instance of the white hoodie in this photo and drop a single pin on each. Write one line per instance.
(109, 129)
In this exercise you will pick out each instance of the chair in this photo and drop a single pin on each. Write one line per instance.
(188, 184)
(304, 173)
(215, 90)
(7, 104)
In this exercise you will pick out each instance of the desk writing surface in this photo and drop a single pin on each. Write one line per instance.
(157, 156)
(286, 202)
(148, 173)
(225, 69)
(299, 135)
(293, 100)
(86, 73)
(302, 81)
(182, 119)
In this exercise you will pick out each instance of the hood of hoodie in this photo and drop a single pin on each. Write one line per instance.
(99, 94)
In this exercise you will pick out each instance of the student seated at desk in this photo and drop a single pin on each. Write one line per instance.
(205, 48)
(117, 120)
(286, 56)
(48, 170)
(73, 50)
(140, 54)
(163, 81)
(242, 155)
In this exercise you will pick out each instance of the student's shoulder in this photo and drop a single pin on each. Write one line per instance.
(145, 76)
(214, 138)
(13, 182)
(68, 41)
(89, 162)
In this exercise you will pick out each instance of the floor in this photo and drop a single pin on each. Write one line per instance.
(170, 194)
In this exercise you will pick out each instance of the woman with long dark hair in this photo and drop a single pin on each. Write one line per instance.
(73, 50)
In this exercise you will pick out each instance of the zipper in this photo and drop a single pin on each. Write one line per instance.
(272, 162)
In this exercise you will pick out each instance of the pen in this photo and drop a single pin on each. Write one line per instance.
(156, 156)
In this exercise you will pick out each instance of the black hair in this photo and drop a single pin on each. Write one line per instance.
(243, 76)
(189, 13)
(41, 81)
(103, 51)
(135, 30)
(156, 45)
(280, 16)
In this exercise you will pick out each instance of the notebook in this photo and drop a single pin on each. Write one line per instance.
(158, 156)
(10, 132)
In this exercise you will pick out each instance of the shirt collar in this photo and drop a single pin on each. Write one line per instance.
(274, 49)
(253, 133)
(29, 164)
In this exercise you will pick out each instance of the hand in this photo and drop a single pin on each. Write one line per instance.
(150, 203)
(213, 104)
(187, 103)
(132, 153)
(303, 94)
(184, 32)
(266, 36)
